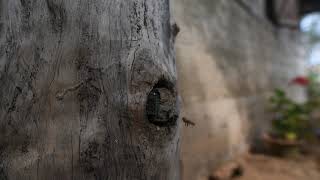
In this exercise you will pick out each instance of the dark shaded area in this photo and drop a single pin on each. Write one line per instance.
(57, 15)
(237, 172)
(287, 14)
(270, 13)
(161, 104)
(3, 175)
(234, 173)
(308, 6)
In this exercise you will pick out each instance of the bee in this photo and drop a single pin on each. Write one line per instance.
(188, 122)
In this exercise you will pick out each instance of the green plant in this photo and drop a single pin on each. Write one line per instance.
(291, 120)
(313, 89)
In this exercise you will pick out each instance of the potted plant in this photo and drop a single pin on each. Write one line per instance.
(290, 123)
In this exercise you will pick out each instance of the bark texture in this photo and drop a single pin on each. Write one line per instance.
(87, 90)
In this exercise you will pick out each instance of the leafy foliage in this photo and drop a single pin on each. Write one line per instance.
(313, 89)
(291, 119)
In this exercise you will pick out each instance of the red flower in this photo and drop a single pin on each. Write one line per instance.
(300, 80)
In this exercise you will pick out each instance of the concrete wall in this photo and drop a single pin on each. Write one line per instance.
(229, 58)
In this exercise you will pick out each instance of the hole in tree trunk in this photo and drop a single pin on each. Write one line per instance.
(161, 107)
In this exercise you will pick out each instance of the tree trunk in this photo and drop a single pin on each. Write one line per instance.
(87, 90)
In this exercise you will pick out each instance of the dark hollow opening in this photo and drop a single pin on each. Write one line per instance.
(161, 108)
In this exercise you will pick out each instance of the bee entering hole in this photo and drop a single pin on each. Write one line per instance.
(161, 107)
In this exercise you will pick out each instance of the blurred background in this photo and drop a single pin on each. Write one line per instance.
(248, 77)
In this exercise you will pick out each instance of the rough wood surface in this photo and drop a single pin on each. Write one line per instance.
(75, 77)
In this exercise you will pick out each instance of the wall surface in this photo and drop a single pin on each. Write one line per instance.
(230, 58)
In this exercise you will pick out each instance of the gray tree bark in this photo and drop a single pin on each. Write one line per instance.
(87, 90)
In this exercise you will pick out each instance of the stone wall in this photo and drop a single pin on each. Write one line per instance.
(230, 58)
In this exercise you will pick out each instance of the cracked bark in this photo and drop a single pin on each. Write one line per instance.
(77, 97)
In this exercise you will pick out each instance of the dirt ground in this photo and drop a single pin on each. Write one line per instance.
(262, 167)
